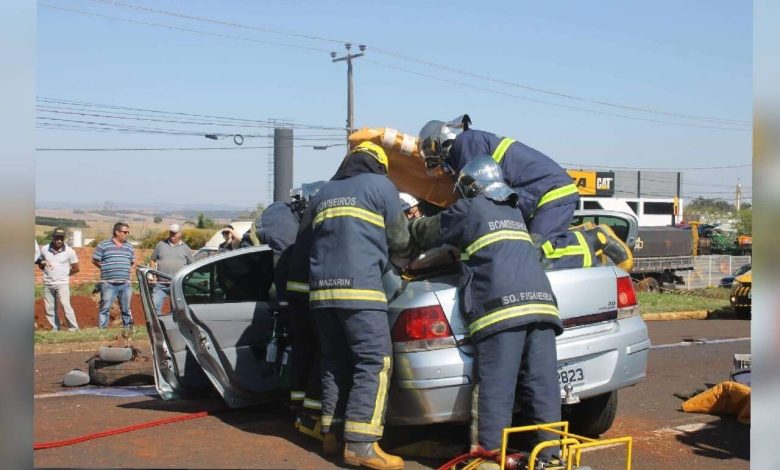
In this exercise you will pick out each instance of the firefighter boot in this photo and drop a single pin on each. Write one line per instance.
(369, 454)
(606, 242)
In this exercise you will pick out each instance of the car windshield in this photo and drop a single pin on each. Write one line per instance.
(742, 270)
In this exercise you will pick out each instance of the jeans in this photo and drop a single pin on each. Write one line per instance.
(159, 293)
(61, 293)
(109, 292)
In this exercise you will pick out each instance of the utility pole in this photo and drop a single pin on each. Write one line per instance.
(739, 196)
(348, 58)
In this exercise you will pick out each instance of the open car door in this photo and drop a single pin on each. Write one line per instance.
(226, 311)
(176, 372)
(624, 225)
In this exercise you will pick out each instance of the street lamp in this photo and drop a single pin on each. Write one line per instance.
(325, 147)
(238, 139)
(348, 58)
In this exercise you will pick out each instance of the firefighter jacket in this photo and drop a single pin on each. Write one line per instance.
(298, 274)
(502, 284)
(356, 220)
(536, 178)
(277, 227)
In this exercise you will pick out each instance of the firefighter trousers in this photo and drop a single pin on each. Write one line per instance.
(519, 360)
(305, 385)
(356, 368)
(562, 248)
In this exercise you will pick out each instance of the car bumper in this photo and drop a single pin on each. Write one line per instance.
(741, 297)
(435, 386)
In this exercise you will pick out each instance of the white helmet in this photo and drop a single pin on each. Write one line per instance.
(407, 201)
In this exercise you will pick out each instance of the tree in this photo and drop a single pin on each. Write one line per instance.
(204, 222)
(157, 219)
(254, 213)
(745, 221)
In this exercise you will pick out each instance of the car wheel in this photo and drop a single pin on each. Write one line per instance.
(592, 416)
(743, 312)
(121, 373)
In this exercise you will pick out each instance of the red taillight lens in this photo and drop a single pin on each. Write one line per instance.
(421, 323)
(626, 297)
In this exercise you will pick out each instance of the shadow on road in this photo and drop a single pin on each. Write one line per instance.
(724, 439)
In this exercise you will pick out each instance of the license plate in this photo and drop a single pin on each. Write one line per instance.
(571, 374)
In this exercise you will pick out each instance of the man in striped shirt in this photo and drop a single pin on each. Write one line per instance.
(115, 257)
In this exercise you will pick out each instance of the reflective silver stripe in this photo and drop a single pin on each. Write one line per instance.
(312, 404)
(297, 287)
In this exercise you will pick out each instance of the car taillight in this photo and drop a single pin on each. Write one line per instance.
(422, 328)
(626, 298)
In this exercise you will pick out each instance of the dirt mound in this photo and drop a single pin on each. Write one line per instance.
(86, 308)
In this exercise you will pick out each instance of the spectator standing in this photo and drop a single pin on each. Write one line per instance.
(232, 239)
(115, 257)
(37, 252)
(58, 262)
(169, 256)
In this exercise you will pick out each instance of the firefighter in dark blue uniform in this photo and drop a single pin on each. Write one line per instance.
(357, 222)
(507, 301)
(277, 227)
(546, 194)
(305, 386)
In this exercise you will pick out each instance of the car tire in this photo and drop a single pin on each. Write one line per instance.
(109, 354)
(120, 373)
(743, 313)
(592, 416)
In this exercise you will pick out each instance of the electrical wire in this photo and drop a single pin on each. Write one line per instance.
(428, 63)
(723, 167)
(163, 149)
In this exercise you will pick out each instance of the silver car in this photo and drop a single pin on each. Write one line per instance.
(225, 318)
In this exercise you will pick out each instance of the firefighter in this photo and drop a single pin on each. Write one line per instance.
(357, 222)
(277, 227)
(410, 205)
(507, 301)
(305, 387)
(546, 194)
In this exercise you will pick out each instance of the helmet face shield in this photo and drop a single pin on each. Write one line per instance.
(481, 175)
(435, 140)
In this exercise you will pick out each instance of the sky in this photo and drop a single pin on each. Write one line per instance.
(662, 85)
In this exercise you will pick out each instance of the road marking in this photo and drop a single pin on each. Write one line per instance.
(699, 342)
(685, 428)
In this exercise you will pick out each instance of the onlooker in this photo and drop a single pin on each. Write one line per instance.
(37, 252)
(169, 256)
(115, 257)
(58, 261)
(232, 239)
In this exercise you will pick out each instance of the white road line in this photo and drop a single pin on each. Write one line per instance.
(698, 342)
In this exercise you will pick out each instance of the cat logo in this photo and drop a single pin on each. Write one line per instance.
(594, 183)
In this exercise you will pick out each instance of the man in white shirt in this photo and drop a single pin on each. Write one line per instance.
(58, 262)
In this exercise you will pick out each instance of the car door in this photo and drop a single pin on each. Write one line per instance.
(226, 310)
(176, 372)
(623, 224)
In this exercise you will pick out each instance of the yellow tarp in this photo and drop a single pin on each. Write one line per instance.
(407, 168)
(726, 398)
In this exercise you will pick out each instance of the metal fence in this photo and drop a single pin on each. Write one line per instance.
(708, 270)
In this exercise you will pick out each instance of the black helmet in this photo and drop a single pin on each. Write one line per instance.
(436, 138)
(482, 175)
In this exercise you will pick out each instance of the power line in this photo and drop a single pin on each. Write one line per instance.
(550, 103)
(267, 122)
(723, 167)
(195, 31)
(163, 149)
(428, 63)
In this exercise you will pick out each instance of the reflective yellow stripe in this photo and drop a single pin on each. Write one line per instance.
(312, 404)
(512, 312)
(493, 237)
(296, 395)
(297, 287)
(572, 250)
(363, 428)
(357, 212)
(557, 194)
(347, 294)
(379, 404)
(326, 420)
(498, 154)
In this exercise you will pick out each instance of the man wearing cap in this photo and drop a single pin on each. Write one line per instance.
(58, 262)
(169, 256)
(357, 222)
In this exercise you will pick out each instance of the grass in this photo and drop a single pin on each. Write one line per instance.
(684, 301)
(86, 335)
(83, 288)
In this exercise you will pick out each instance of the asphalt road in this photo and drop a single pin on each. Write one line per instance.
(688, 355)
